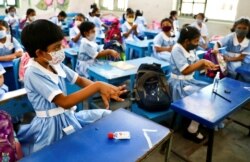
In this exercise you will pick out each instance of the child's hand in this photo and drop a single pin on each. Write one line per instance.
(108, 91)
(134, 27)
(114, 54)
(18, 54)
(226, 58)
(209, 65)
(215, 51)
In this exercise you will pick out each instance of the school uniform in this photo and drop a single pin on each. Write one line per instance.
(3, 88)
(234, 49)
(12, 20)
(73, 32)
(10, 46)
(125, 28)
(203, 30)
(98, 24)
(141, 23)
(87, 54)
(56, 21)
(183, 85)
(176, 28)
(48, 125)
(162, 40)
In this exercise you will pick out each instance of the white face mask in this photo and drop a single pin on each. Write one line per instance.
(32, 18)
(91, 37)
(130, 20)
(57, 57)
(12, 13)
(3, 34)
(78, 23)
(199, 21)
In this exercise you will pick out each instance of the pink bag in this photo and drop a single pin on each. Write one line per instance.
(22, 67)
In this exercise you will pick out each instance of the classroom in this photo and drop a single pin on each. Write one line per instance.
(124, 80)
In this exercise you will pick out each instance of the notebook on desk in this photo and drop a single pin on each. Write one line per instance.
(123, 65)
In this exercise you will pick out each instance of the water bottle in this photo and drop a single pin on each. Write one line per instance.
(216, 82)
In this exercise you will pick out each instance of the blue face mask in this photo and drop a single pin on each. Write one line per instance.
(2, 34)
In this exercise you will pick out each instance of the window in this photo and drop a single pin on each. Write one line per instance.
(213, 9)
(113, 5)
(9, 3)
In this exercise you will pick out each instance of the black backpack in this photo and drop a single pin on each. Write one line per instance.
(151, 88)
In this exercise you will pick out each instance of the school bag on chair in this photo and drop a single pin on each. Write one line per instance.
(7, 141)
(151, 88)
(218, 60)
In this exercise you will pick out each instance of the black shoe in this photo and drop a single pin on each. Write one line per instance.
(193, 136)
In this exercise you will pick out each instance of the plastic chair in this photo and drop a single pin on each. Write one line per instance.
(16, 64)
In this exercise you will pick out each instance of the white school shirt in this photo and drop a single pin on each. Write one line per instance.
(12, 20)
(88, 52)
(73, 32)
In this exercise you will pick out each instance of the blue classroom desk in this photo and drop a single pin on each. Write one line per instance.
(91, 144)
(140, 46)
(110, 74)
(71, 53)
(150, 34)
(242, 70)
(9, 75)
(16, 103)
(209, 109)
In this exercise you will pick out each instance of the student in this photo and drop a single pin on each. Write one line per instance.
(74, 33)
(141, 23)
(10, 48)
(45, 83)
(30, 17)
(129, 28)
(202, 27)
(89, 50)
(184, 63)
(237, 46)
(123, 18)
(59, 18)
(164, 41)
(114, 32)
(3, 87)
(11, 17)
(94, 17)
(174, 17)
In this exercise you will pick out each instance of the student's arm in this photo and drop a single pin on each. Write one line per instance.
(126, 34)
(12, 56)
(162, 49)
(107, 92)
(76, 37)
(233, 59)
(201, 64)
(107, 52)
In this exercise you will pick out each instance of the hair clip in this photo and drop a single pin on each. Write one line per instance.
(186, 29)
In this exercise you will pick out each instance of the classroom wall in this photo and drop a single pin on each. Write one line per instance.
(153, 10)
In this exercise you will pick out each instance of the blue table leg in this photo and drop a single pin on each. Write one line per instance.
(210, 145)
(127, 53)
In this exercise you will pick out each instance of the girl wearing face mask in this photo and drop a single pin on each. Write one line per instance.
(202, 27)
(184, 63)
(94, 17)
(74, 32)
(129, 28)
(30, 17)
(164, 41)
(10, 48)
(237, 46)
(45, 81)
(11, 17)
(89, 50)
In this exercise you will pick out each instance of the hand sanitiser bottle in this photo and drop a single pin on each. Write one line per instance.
(119, 135)
(216, 82)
